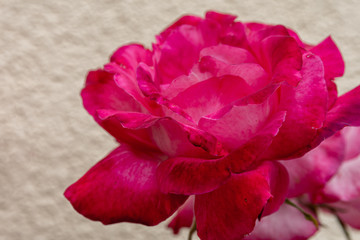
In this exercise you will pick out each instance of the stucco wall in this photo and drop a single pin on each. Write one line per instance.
(48, 140)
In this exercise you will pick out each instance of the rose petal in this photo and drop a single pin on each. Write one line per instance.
(286, 224)
(101, 92)
(349, 212)
(184, 216)
(352, 142)
(306, 106)
(175, 139)
(191, 175)
(209, 96)
(283, 59)
(234, 207)
(331, 57)
(235, 124)
(177, 54)
(343, 186)
(312, 171)
(247, 155)
(345, 112)
(278, 179)
(122, 187)
(184, 20)
(129, 56)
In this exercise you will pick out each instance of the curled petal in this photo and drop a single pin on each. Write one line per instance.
(122, 187)
(331, 57)
(306, 106)
(345, 112)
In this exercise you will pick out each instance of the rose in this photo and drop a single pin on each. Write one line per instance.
(325, 178)
(207, 113)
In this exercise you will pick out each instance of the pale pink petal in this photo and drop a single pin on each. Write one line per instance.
(286, 224)
(352, 142)
(343, 186)
(331, 57)
(312, 171)
(123, 188)
(234, 207)
(306, 106)
(349, 212)
(184, 216)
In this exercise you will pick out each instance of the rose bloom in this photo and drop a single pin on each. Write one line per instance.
(326, 178)
(207, 113)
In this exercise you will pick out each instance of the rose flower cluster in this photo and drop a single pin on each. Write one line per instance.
(236, 126)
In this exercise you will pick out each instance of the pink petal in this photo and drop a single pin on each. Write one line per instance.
(306, 106)
(349, 212)
(122, 188)
(124, 64)
(312, 171)
(101, 92)
(223, 19)
(282, 57)
(184, 20)
(234, 207)
(191, 175)
(331, 57)
(209, 96)
(184, 216)
(250, 153)
(175, 139)
(101, 95)
(129, 56)
(286, 224)
(235, 124)
(228, 54)
(352, 142)
(345, 112)
(344, 185)
(177, 54)
(253, 74)
(278, 179)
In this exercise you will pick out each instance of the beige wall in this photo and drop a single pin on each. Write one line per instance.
(47, 138)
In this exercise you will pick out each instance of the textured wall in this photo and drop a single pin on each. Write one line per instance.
(48, 140)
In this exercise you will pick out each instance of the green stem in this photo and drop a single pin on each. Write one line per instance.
(307, 216)
(192, 230)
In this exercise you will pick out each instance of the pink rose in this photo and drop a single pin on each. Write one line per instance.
(206, 113)
(325, 178)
